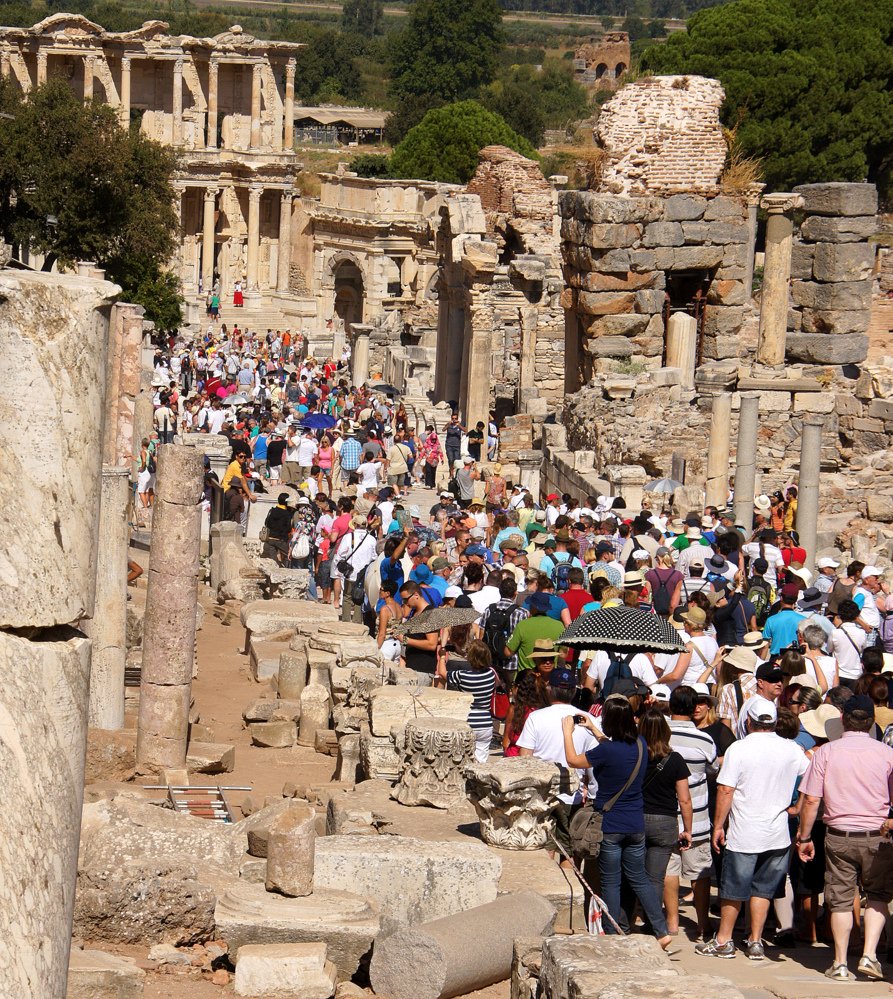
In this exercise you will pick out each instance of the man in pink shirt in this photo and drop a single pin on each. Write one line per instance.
(854, 778)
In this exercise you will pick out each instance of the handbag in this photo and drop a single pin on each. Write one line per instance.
(586, 826)
(264, 534)
(344, 565)
(499, 700)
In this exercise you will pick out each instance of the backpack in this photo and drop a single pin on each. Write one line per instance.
(432, 596)
(617, 670)
(151, 466)
(759, 594)
(560, 574)
(839, 592)
(660, 597)
(498, 631)
(885, 632)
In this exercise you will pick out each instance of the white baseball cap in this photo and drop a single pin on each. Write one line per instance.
(761, 709)
(827, 563)
(871, 570)
(452, 592)
(660, 692)
(703, 691)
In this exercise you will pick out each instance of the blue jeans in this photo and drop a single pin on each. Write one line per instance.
(624, 854)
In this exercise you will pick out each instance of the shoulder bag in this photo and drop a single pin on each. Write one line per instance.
(586, 826)
(344, 565)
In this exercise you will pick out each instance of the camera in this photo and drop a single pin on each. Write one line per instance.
(579, 719)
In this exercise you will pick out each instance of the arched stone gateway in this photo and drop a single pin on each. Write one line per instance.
(349, 292)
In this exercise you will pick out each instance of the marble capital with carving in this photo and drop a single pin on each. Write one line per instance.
(435, 752)
(514, 799)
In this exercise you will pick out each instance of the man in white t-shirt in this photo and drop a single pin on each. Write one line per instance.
(641, 666)
(848, 640)
(868, 588)
(543, 738)
(291, 472)
(754, 791)
(307, 450)
(368, 473)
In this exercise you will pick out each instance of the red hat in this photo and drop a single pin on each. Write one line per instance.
(552, 496)
(790, 592)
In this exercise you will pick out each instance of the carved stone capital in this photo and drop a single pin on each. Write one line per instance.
(514, 799)
(782, 203)
(435, 753)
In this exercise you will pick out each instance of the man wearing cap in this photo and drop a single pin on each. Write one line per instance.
(858, 851)
(444, 505)
(768, 684)
(781, 628)
(542, 737)
(605, 564)
(440, 573)
(754, 791)
(827, 574)
(869, 589)
(553, 509)
(528, 630)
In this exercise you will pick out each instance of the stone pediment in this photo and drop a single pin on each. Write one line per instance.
(149, 29)
(234, 38)
(72, 25)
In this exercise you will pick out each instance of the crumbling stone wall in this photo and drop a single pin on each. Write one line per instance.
(602, 59)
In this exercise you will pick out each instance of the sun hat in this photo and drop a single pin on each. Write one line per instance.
(541, 539)
(761, 709)
(477, 503)
(811, 599)
(822, 722)
(303, 501)
(754, 640)
(633, 579)
(741, 658)
(513, 541)
(693, 533)
(677, 527)
(802, 573)
(763, 503)
(422, 573)
(707, 522)
(497, 468)
(438, 564)
(660, 692)
(703, 692)
(695, 616)
(543, 648)
(805, 680)
(564, 535)
(451, 592)
(717, 562)
(540, 516)
(827, 563)
(357, 522)
(640, 555)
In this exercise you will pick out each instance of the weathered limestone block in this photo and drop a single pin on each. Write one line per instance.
(609, 236)
(409, 880)
(93, 974)
(816, 229)
(822, 348)
(604, 303)
(566, 958)
(395, 706)
(268, 617)
(684, 207)
(660, 985)
(53, 332)
(290, 847)
(435, 752)
(835, 321)
(345, 922)
(802, 259)
(44, 734)
(841, 295)
(289, 584)
(292, 674)
(593, 207)
(662, 234)
(843, 261)
(348, 757)
(315, 713)
(296, 970)
(527, 960)
(379, 759)
(458, 954)
(210, 757)
(514, 799)
(838, 199)
(273, 734)
(610, 346)
(110, 755)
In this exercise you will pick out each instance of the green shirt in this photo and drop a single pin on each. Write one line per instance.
(527, 632)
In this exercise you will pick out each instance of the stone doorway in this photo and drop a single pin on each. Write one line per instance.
(686, 291)
(349, 293)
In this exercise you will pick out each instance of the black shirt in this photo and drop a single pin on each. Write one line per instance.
(659, 788)
(723, 737)
(274, 452)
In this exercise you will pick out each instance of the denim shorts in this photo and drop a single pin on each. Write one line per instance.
(754, 875)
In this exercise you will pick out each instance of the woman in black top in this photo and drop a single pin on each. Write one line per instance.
(666, 795)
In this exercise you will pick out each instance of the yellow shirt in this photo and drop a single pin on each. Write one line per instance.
(233, 469)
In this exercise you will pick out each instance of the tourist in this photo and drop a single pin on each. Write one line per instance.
(528, 695)
(827, 574)
(781, 628)
(355, 551)
(528, 629)
(498, 623)
(476, 677)
(754, 792)
(277, 529)
(665, 581)
(420, 648)
(847, 641)
(432, 455)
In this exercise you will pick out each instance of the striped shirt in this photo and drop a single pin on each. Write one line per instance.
(698, 750)
(480, 683)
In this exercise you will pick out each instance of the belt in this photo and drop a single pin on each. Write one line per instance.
(860, 834)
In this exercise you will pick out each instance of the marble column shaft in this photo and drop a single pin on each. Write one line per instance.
(254, 195)
(255, 105)
(89, 70)
(284, 259)
(169, 623)
(360, 354)
(288, 140)
(682, 347)
(208, 225)
(211, 137)
(746, 458)
(124, 107)
(776, 277)
(177, 104)
(808, 493)
(717, 489)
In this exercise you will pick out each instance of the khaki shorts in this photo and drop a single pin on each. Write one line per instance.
(692, 864)
(851, 861)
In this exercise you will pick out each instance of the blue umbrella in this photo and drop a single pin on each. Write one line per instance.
(318, 421)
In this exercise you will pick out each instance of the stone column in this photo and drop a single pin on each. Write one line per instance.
(531, 466)
(746, 458)
(682, 347)
(360, 353)
(288, 139)
(41, 68)
(108, 628)
(808, 493)
(255, 105)
(169, 623)
(284, 260)
(717, 488)
(254, 194)
(753, 205)
(177, 104)
(4, 65)
(208, 226)
(527, 374)
(776, 277)
(476, 395)
(124, 107)
(53, 334)
(211, 137)
(291, 846)
(89, 71)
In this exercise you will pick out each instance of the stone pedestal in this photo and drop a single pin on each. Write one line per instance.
(717, 487)
(682, 347)
(290, 850)
(628, 481)
(530, 475)
(514, 799)
(435, 752)
(169, 623)
(108, 628)
(348, 757)
(292, 676)
(359, 353)
(808, 494)
(379, 759)
(315, 711)
(776, 277)
(746, 458)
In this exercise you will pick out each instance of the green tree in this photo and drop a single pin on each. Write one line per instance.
(363, 17)
(447, 50)
(809, 83)
(75, 186)
(444, 146)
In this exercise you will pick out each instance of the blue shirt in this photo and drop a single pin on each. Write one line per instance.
(612, 763)
(351, 452)
(392, 571)
(781, 629)
(260, 447)
(439, 583)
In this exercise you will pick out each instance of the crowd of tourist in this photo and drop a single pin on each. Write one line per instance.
(753, 759)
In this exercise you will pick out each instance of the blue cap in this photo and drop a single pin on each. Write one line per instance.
(561, 676)
(859, 702)
(422, 574)
(539, 601)
(479, 550)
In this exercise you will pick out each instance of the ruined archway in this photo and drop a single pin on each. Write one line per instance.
(600, 70)
(349, 292)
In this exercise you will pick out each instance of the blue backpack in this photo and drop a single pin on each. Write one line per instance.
(617, 670)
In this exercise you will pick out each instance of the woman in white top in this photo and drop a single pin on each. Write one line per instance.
(695, 664)
(817, 664)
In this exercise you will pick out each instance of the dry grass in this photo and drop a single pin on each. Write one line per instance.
(741, 172)
(586, 163)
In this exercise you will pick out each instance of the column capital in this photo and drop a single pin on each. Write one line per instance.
(287, 196)
(782, 203)
(89, 57)
(255, 191)
(178, 64)
(42, 57)
(125, 62)
(813, 420)
(256, 68)
(290, 67)
(211, 193)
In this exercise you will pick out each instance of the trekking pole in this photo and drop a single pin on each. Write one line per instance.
(600, 902)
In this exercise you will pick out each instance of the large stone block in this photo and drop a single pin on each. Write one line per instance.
(722, 320)
(592, 207)
(724, 208)
(663, 234)
(816, 229)
(93, 974)
(813, 402)
(649, 302)
(881, 409)
(802, 257)
(268, 617)
(611, 237)
(838, 199)
(727, 293)
(696, 257)
(839, 295)
(630, 324)
(824, 348)
(604, 303)
(345, 922)
(684, 207)
(53, 334)
(843, 261)
(391, 707)
(567, 958)
(595, 281)
(835, 321)
(880, 507)
(610, 346)
(409, 880)
(295, 971)
(290, 852)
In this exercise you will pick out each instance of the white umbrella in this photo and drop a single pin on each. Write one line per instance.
(662, 486)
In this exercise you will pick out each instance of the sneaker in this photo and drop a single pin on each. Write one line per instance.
(712, 948)
(754, 950)
(839, 973)
(870, 968)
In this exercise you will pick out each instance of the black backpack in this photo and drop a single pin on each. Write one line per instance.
(660, 597)
(617, 670)
(498, 630)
